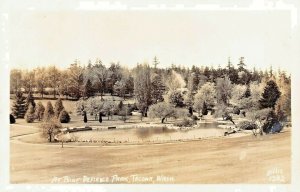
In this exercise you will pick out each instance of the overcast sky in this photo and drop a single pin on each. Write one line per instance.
(180, 37)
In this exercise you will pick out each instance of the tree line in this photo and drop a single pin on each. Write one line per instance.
(74, 82)
(197, 88)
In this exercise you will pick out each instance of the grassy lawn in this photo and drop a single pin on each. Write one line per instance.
(230, 160)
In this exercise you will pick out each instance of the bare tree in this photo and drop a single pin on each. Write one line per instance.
(100, 75)
(50, 128)
(142, 88)
(29, 80)
(41, 80)
(223, 89)
(206, 94)
(53, 79)
(15, 80)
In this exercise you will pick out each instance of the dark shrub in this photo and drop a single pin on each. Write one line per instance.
(270, 121)
(236, 110)
(185, 123)
(194, 118)
(12, 119)
(212, 111)
(64, 117)
(247, 125)
(204, 109)
(190, 110)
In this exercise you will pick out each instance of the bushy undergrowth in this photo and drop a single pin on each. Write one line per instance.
(185, 123)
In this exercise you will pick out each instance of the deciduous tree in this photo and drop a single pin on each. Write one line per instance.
(142, 88)
(223, 90)
(41, 80)
(53, 77)
(162, 110)
(50, 128)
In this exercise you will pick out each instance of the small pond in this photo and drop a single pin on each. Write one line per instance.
(149, 134)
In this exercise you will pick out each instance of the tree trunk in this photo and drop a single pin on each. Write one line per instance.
(162, 120)
(145, 112)
(50, 137)
(54, 93)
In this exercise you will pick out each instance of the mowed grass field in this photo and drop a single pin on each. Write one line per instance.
(245, 159)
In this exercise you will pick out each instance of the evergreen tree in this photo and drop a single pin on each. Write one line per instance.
(270, 95)
(29, 100)
(64, 117)
(190, 110)
(75, 80)
(58, 107)
(231, 72)
(193, 79)
(207, 72)
(130, 85)
(49, 112)
(88, 89)
(247, 92)
(255, 75)
(39, 111)
(84, 117)
(155, 62)
(19, 106)
(30, 116)
(241, 64)
(120, 105)
(191, 83)
(158, 89)
(204, 109)
(100, 117)
(176, 98)
(120, 88)
(89, 66)
(189, 99)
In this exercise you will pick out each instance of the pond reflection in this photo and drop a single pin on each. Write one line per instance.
(152, 133)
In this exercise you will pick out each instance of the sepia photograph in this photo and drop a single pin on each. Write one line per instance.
(126, 95)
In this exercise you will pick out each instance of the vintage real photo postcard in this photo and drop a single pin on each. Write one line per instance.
(150, 93)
